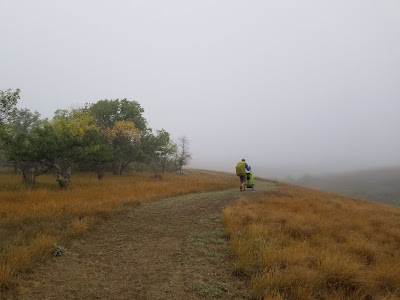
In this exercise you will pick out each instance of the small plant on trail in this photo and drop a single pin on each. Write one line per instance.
(57, 250)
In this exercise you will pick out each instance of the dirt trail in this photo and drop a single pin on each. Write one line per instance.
(167, 249)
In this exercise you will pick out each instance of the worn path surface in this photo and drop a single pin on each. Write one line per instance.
(173, 248)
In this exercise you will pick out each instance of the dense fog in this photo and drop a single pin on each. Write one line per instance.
(295, 87)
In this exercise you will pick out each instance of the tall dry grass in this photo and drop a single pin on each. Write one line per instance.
(34, 218)
(298, 243)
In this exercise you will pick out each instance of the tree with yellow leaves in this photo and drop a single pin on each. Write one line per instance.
(124, 138)
(68, 133)
(122, 131)
(123, 125)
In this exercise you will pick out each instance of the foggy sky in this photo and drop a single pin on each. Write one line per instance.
(292, 86)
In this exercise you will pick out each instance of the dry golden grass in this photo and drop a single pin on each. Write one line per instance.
(34, 218)
(298, 243)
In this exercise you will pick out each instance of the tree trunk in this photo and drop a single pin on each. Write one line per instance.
(28, 176)
(30, 171)
(123, 166)
(63, 178)
(100, 174)
(117, 168)
(164, 161)
(99, 169)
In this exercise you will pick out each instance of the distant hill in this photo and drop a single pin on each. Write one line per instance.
(378, 185)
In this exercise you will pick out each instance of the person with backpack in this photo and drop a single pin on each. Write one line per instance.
(241, 169)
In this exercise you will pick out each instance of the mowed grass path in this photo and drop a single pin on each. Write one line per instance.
(174, 248)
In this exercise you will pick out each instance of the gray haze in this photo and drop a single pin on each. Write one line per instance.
(293, 86)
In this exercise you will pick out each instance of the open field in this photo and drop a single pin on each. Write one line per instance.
(298, 243)
(35, 218)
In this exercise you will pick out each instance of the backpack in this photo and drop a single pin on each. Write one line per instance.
(241, 168)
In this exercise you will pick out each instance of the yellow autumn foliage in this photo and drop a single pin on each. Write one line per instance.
(76, 124)
(123, 130)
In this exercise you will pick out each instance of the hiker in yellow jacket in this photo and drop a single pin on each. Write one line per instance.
(241, 169)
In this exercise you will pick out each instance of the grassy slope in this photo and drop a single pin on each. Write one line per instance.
(379, 185)
(298, 243)
(293, 242)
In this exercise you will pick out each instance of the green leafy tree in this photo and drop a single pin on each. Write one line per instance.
(124, 138)
(25, 120)
(19, 141)
(166, 148)
(68, 144)
(107, 112)
(57, 144)
(98, 153)
(123, 124)
(8, 102)
(158, 150)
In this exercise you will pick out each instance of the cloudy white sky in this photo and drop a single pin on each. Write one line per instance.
(292, 86)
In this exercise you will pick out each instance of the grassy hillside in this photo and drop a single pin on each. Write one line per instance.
(292, 242)
(35, 218)
(379, 185)
(298, 243)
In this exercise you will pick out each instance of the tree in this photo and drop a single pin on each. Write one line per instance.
(124, 138)
(67, 141)
(166, 148)
(98, 154)
(24, 120)
(107, 112)
(8, 102)
(183, 156)
(157, 149)
(122, 123)
(20, 144)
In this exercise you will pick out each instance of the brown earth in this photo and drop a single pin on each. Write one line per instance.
(175, 248)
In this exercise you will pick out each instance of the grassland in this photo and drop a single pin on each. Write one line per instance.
(298, 243)
(290, 242)
(35, 219)
(379, 185)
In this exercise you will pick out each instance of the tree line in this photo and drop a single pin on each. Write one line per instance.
(101, 136)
